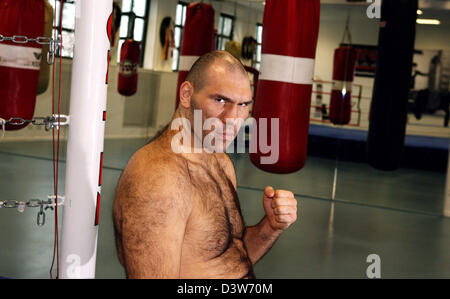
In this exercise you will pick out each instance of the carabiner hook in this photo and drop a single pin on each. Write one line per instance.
(41, 216)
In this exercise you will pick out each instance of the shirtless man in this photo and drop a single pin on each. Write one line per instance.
(177, 215)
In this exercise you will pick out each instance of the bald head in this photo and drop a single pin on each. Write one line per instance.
(198, 74)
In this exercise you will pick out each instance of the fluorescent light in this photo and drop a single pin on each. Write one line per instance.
(428, 21)
(419, 12)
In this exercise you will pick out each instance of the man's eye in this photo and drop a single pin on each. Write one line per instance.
(220, 100)
(243, 104)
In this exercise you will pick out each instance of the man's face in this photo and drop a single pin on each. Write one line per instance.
(224, 97)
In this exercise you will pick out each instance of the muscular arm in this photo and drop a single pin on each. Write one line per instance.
(259, 239)
(154, 211)
(281, 211)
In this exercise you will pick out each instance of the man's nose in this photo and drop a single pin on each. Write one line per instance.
(231, 111)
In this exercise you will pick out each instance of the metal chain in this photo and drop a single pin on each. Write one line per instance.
(34, 203)
(53, 45)
(49, 122)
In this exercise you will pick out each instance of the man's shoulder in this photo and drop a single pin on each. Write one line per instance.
(151, 161)
(151, 171)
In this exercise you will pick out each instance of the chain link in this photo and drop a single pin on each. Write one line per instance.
(49, 122)
(34, 203)
(53, 45)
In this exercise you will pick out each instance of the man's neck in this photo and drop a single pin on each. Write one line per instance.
(193, 149)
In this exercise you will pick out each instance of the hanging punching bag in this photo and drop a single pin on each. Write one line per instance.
(19, 63)
(198, 38)
(388, 110)
(341, 92)
(44, 70)
(130, 53)
(284, 90)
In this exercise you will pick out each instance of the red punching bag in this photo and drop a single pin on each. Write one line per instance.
(198, 38)
(130, 53)
(289, 42)
(20, 63)
(341, 93)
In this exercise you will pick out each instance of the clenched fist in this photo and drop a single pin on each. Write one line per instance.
(280, 207)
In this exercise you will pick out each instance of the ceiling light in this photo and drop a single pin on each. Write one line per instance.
(428, 21)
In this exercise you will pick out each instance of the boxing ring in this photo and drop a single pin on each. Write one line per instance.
(86, 124)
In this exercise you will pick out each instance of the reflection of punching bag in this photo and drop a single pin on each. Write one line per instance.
(44, 70)
(198, 38)
(341, 92)
(19, 63)
(130, 53)
(284, 90)
(388, 109)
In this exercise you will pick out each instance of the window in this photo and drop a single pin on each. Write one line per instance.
(68, 26)
(133, 24)
(179, 24)
(225, 33)
(257, 54)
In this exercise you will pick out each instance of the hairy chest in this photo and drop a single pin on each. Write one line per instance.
(216, 217)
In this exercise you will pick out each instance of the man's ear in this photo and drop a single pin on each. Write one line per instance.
(186, 92)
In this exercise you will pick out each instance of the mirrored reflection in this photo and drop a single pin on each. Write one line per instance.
(124, 26)
(68, 21)
(68, 43)
(227, 26)
(138, 29)
(175, 59)
(139, 7)
(126, 5)
(119, 47)
(179, 15)
(177, 36)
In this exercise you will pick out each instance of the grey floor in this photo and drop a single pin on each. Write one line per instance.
(393, 214)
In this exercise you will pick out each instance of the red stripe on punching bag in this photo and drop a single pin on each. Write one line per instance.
(289, 42)
(19, 63)
(343, 73)
(198, 38)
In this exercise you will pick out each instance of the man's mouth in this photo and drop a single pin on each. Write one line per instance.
(226, 136)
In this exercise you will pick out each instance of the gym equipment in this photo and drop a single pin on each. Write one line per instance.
(289, 42)
(19, 59)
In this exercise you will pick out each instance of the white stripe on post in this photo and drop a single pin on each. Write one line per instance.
(186, 62)
(288, 69)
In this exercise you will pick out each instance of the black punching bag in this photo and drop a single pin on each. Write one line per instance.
(388, 110)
